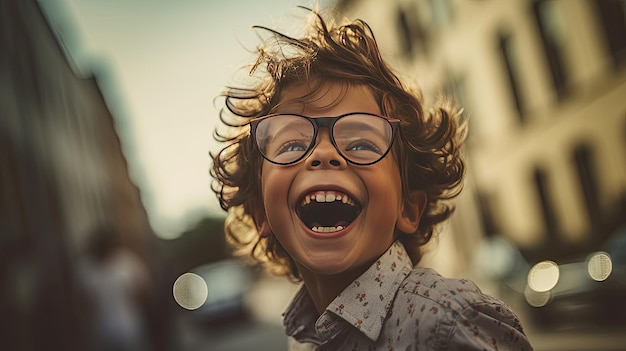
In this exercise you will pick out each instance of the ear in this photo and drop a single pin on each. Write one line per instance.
(260, 221)
(412, 210)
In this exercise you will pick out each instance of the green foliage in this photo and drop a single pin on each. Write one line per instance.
(203, 243)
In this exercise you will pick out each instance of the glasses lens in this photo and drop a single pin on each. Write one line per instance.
(284, 138)
(363, 139)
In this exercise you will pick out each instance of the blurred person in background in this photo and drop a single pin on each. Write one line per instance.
(334, 175)
(117, 284)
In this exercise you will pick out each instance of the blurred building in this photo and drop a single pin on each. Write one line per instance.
(543, 84)
(63, 173)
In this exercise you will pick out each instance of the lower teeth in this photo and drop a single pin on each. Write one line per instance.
(327, 229)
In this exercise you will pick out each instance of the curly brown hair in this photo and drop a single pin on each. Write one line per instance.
(427, 149)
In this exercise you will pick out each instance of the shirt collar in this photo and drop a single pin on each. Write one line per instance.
(360, 304)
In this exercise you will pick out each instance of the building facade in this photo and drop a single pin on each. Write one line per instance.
(543, 85)
(63, 173)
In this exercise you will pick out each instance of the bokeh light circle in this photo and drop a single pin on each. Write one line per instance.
(190, 291)
(599, 266)
(543, 276)
(535, 298)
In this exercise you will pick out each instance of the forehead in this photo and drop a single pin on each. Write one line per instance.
(327, 99)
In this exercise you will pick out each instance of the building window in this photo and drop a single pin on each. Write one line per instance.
(546, 205)
(413, 37)
(406, 36)
(612, 15)
(583, 161)
(509, 59)
(486, 206)
(552, 30)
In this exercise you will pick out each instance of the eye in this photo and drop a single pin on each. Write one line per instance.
(363, 145)
(292, 146)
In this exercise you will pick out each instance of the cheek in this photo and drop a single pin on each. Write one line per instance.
(392, 178)
(388, 186)
(275, 184)
(268, 175)
(268, 189)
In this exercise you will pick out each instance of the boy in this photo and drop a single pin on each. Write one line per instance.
(334, 175)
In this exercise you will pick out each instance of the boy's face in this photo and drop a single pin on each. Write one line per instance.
(304, 195)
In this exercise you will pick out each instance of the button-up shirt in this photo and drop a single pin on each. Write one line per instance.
(394, 306)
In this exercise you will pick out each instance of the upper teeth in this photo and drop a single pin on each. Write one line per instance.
(327, 196)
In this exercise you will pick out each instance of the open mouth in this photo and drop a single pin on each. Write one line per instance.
(328, 211)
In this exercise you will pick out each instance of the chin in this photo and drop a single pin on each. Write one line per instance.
(333, 265)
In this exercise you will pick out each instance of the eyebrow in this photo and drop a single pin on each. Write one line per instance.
(364, 127)
(279, 130)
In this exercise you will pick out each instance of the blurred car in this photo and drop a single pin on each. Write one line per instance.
(228, 281)
(590, 290)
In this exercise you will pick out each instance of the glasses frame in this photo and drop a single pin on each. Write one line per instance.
(326, 122)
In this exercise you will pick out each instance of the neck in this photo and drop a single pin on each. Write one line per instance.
(324, 288)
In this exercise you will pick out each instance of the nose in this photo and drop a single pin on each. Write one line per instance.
(324, 154)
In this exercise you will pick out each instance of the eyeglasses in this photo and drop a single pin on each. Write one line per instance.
(360, 138)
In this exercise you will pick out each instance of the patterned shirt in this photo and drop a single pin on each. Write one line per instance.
(393, 306)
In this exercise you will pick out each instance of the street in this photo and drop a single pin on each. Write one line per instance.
(252, 334)
(579, 339)
(262, 329)
(233, 335)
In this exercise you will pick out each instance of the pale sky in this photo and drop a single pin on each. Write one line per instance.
(165, 62)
